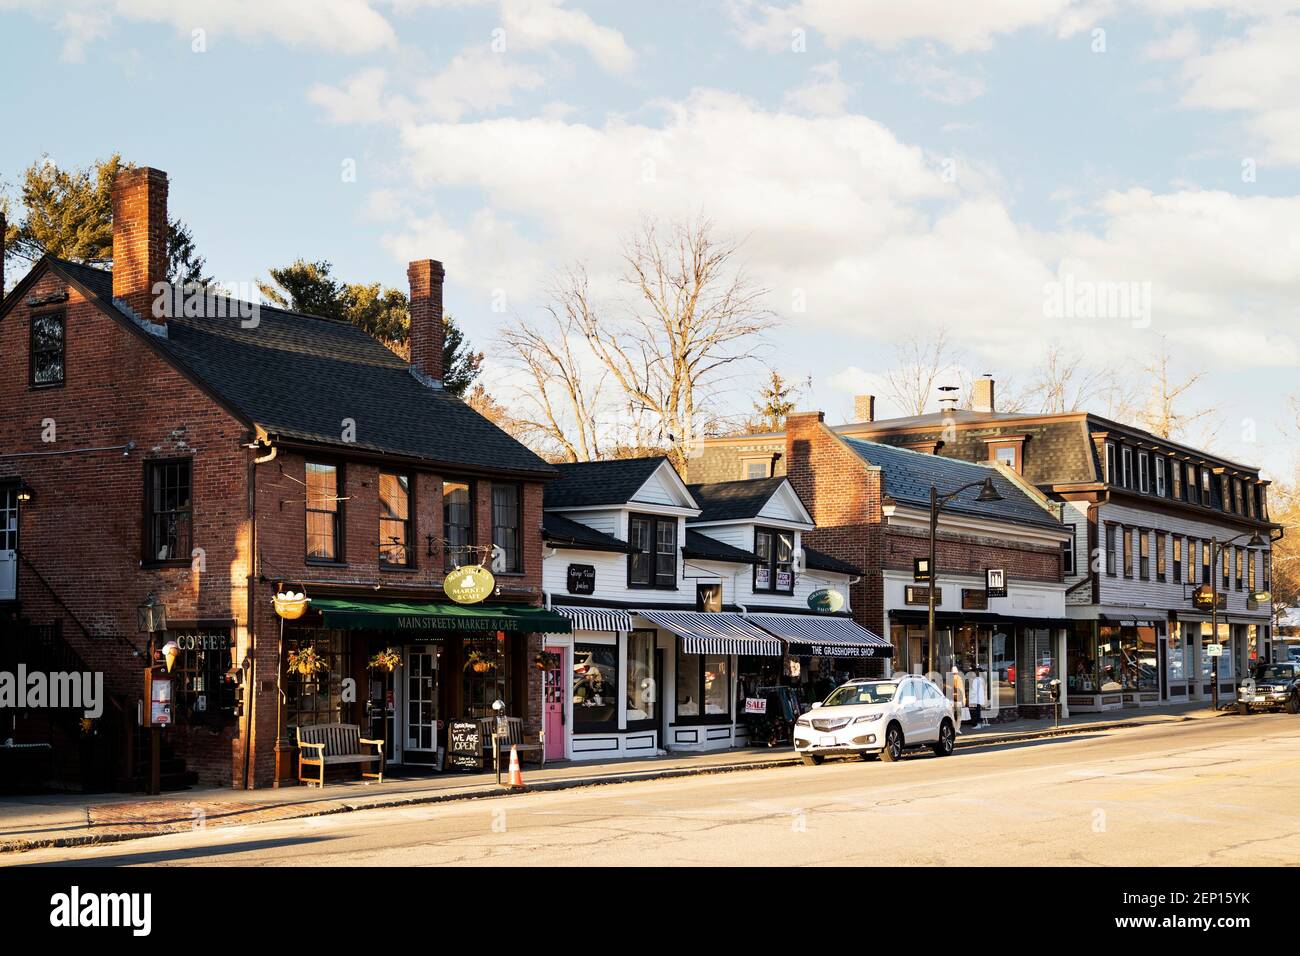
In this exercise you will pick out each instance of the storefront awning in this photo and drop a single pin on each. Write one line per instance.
(414, 617)
(715, 633)
(596, 618)
(823, 636)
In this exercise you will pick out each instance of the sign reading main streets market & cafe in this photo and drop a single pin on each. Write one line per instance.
(469, 584)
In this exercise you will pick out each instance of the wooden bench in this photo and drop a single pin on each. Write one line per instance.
(515, 727)
(332, 745)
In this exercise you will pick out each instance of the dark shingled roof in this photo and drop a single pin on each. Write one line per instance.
(908, 476)
(703, 548)
(817, 561)
(733, 500)
(566, 533)
(299, 376)
(587, 483)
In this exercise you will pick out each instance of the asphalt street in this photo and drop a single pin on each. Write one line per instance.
(1223, 791)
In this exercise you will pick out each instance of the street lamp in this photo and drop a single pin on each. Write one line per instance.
(1216, 554)
(24, 492)
(937, 501)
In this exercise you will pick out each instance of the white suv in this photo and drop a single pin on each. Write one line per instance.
(877, 718)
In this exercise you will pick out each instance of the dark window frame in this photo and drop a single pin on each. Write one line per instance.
(653, 551)
(614, 691)
(703, 718)
(148, 540)
(1162, 556)
(33, 318)
(1069, 564)
(518, 555)
(1112, 557)
(408, 525)
(340, 512)
(773, 565)
(449, 550)
(1144, 554)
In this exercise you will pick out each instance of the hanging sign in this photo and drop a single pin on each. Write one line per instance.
(973, 599)
(582, 579)
(469, 584)
(1203, 597)
(921, 570)
(995, 582)
(919, 595)
(828, 600)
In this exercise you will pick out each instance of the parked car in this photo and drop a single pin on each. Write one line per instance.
(877, 718)
(1271, 686)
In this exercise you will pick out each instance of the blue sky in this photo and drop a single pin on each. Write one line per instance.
(898, 167)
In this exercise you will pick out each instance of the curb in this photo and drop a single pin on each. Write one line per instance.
(20, 846)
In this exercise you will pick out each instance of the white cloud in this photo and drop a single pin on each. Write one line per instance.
(937, 82)
(825, 94)
(1178, 45)
(534, 24)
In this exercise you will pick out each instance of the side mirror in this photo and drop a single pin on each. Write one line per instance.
(816, 704)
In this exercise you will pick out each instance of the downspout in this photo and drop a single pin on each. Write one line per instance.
(250, 688)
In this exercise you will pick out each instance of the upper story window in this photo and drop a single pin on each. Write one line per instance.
(1238, 506)
(1250, 571)
(1162, 551)
(1110, 549)
(653, 561)
(1160, 475)
(324, 512)
(1068, 566)
(1110, 463)
(169, 510)
(1261, 504)
(775, 550)
(1129, 540)
(1193, 489)
(1176, 475)
(1127, 457)
(1205, 562)
(47, 352)
(457, 523)
(505, 527)
(1205, 487)
(1178, 558)
(1144, 472)
(1191, 560)
(751, 468)
(395, 520)
(1144, 553)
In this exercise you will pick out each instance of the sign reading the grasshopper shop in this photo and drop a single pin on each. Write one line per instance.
(828, 600)
(469, 584)
(465, 744)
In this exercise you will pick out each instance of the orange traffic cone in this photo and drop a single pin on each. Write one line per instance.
(516, 779)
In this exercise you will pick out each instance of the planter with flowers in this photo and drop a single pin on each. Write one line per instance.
(387, 660)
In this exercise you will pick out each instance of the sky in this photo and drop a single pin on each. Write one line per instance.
(1107, 175)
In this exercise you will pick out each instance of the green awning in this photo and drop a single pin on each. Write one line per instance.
(412, 617)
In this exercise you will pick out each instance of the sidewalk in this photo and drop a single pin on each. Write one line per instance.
(29, 822)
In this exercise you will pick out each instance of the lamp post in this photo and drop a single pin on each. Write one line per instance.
(937, 502)
(1216, 552)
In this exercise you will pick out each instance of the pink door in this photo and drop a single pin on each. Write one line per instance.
(554, 692)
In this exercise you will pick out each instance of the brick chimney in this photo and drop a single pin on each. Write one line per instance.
(425, 277)
(139, 237)
(981, 398)
(864, 408)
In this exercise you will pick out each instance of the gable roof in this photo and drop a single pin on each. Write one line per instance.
(298, 377)
(734, 500)
(908, 476)
(584, 484)
(566, 533)
(702, 547)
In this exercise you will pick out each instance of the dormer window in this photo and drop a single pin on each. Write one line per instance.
(1176, 469)
(1127, 456)
(1160, 476)
(1144, 472)
(1205, 487)
(653, 561)
(775, 572)
(1110, 463)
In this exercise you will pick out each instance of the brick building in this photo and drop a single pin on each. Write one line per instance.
(163, 446)
(870, 502)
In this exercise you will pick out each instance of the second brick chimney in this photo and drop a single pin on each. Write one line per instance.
(864, 408)
(981, 396)
(425, 277)
(139, 237)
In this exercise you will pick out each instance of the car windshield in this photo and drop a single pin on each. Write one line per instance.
(1274, 672)
(851, 694)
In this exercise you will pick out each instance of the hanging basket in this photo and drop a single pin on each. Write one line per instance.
(387, 660)
(306, 662)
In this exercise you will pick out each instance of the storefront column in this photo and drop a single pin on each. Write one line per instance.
(1061, 672)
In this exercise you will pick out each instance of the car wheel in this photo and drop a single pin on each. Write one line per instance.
(947, 739)
(1243, 709)
(893, 744)
(868, 755)
(1293, 702)
(812, 760)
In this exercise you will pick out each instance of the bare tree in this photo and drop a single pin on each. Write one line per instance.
(1062, 383)
(560, 404)
(694, 315)
(919, 363)
(1162, 415)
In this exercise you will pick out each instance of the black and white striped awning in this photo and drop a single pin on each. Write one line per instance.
(823, 636)
(715, 633)
(596, 618)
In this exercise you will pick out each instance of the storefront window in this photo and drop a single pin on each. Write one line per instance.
(1037, 667)
(317, 697)
(1081, 658)
(703, 682)
(1141, 663)
(595, 686)
(1002, 669)
(485, 677)
(1110, 660)
(204, 694)
(642, 689)
(1177, 666)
